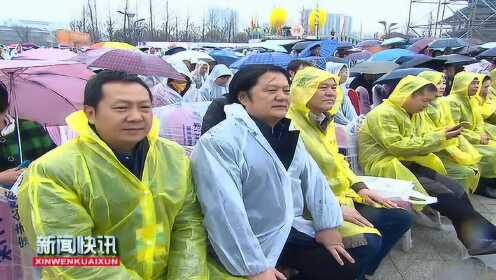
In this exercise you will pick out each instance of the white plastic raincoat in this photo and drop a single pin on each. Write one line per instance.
(210, 90)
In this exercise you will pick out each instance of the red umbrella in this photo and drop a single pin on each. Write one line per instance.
(420, 45)
(136, 63)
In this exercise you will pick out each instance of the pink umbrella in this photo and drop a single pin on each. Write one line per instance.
(420, 45)
(90, 55)
(135, 63)
(44, 91)
(45, 54)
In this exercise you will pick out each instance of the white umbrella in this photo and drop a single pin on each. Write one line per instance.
(489, 45)
(191, 56)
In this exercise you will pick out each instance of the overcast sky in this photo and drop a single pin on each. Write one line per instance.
(365, 13)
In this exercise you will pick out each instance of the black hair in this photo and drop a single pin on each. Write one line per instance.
(4, 98)
(247, 77)
(93, 91)
(486, 78)
(297, 63)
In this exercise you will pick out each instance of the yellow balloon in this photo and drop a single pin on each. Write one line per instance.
(317, 15)
(278, 17)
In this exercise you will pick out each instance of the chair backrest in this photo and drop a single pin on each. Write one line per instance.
(348, 147)
(364, 100)
(378, 94)
(355, 100)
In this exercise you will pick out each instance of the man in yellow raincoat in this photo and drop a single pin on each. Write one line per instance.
(390, 146)
(465, 109)
(118, 178)
(316, 97)
(460, 158)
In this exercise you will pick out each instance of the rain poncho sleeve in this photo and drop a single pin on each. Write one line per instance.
(230, 233)
(44, 206)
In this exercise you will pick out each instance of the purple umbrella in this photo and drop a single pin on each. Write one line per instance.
(90, 55)
(420, 45)
(44, 91)
(368, 43)
(45, 54)
(135, 63)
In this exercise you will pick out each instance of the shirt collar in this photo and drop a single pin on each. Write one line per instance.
(322, 121)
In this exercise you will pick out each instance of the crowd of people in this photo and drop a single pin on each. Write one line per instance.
(266, 193)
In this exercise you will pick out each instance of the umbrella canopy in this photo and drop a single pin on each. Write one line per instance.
(114, 45)
(225, 57)
(368, 43)
(399, 74)
(174, 50)
(360, 56)
(457, 59)
(136, 63)
(420, 45)
(273, 58)
(192, 56)
(327, 47)
(316, 61)
(44, 91)
(419, 60)
(299, 46)
(489, 45)
(374, 67)
(46, 54)
(390, 55)
(393, 41)
(491, 53)
(442, 44)
(90, 55)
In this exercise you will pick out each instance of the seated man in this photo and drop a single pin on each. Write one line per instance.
(314, 102)
(118, 178)
(35, 142)
(464, 108)
(255, 180)
(389, 146)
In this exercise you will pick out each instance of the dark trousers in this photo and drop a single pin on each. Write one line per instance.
(471, 228)
(314, 262)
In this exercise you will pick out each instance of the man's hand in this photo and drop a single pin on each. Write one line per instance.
(353, 216)
(454, 131)
(331, 239)
(372, 197)
(9, 176)
(269, 274)
(484, 138)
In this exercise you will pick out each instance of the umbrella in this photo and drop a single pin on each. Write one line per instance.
(90, 55)
(302, 45)
(114, 45)
(420, 45)
(374, 67)
(457, 59)
(393, 41)
(224, 57)
(489, 45)
(336, 59)
(136, 63)
(174, 50)
(44, 91)
(316, 61)
(390, 55)
(192, 56)
(488, 54)
(399, 74)
(368, 43)
(273, 58)
(327, 47)
(46, 54)
(364, 55)
(419, 60)
(453, 43)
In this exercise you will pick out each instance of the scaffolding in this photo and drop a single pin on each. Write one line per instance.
(471, 19)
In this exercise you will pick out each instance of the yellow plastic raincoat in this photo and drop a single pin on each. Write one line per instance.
(389, 136)
(81, 189)
(460, 158)
(466, 109)
(487, 107)
(322, 146)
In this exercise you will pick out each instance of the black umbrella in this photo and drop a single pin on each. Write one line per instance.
(374, 67)
(399, 74)
(302, 45)
(491, 53)
(174, 50)
(457, 59)
(453, 43)
(419, 60)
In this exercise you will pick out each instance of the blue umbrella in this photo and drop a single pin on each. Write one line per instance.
(390, 55)
(272, 58)
(225, 57)
(327, 48)
(491, 53)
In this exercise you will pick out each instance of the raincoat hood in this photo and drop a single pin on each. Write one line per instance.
(210, 90)
(432, 76)
(492, 74)
(406, 87)
(335, 68)
(461, 83)
(199, 64)
(306, 83)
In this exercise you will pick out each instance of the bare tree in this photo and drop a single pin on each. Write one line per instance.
(110, 28)
(152, 30)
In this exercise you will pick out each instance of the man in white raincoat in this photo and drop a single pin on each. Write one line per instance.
(255, 179)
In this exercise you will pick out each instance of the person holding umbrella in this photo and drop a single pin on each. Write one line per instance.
(118, 178)
(35, 142)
